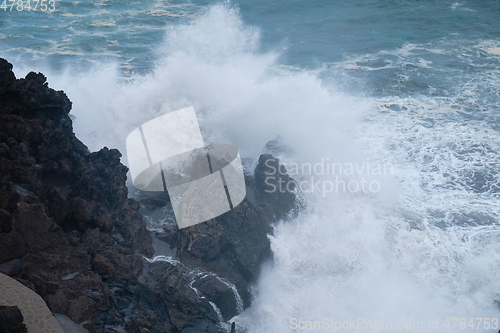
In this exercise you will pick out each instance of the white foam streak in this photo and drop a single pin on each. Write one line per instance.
(382, 256)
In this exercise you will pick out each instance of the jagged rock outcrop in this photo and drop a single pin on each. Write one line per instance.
(234, 245)
(274, 188)
(69, 232)
(65, 218)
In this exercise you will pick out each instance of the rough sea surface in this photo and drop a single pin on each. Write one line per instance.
(404, 94)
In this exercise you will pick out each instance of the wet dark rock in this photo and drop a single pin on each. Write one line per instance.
(274, 187)
(10, 267)
(11, 320)
(232, 245)
(64, 278)
(7, 77)
(60, 204)
(103, 266)
(277, 148)
(235, 244)
(187, 310)
(164, 302)
(69, 232)
(153, 200)
(5, 221)
(219, 293)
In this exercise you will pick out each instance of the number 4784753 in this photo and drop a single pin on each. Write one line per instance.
(30, 5)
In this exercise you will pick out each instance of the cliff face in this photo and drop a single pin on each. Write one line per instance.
(69, 232)
(66, 223)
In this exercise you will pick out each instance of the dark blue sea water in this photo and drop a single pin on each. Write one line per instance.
(410, 85)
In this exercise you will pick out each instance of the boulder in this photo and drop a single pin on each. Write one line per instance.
(11, 319)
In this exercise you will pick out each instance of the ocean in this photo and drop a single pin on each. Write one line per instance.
(390, 113)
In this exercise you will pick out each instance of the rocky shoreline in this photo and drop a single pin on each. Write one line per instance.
(69, 231)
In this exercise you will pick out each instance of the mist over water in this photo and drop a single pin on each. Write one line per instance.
(240, 94)
(425, 247)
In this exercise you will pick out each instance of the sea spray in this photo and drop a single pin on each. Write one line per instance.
(216, 66)
(418, 250)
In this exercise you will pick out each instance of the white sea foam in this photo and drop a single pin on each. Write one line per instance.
(415, 251)
(216, 66)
